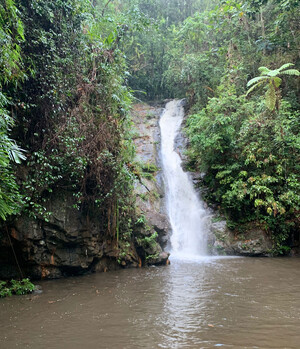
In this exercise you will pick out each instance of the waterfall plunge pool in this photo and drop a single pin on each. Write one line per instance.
(217, 302)
(196, 302)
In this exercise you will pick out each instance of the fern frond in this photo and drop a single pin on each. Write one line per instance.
(277, 81)
(263, 70)
(291, 72)
(254, 87)
(273, 73)
(286, 65)
(255, 80)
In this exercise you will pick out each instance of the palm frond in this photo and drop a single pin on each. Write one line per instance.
(273, 73)
(277, 81)
(16, 154)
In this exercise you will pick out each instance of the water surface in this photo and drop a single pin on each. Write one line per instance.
(227, 303)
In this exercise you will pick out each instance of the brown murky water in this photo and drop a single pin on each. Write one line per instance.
(227, 303)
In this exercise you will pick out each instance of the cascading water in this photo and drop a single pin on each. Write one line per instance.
(186, 213)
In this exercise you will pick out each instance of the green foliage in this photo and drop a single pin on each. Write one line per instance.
(232, 38)
(16, 287)
(141, 220)
(151, 240)
(124, 251)
(73, 118)
(11, 36)
(250, 158)
(144, 170)
(70, 114)
(10, 199)
(149, 167)
(148, 50)
(152, 256)
(270, 78)
(149, 244)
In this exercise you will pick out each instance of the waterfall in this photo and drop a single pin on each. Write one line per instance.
(186, 212)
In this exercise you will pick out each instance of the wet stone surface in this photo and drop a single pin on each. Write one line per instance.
(149, 187)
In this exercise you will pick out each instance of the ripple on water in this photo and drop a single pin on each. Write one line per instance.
(231, 303)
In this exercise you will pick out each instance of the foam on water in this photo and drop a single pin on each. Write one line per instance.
(185, 257)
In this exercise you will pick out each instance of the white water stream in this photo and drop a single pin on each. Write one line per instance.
(186, 212)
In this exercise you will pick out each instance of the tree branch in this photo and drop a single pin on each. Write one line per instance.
(103, 11)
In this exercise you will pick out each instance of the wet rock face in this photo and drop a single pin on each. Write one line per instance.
(161, 259)
(68, 240)
(149, 189)
(72, 242)
(161, 225)
(253, 242)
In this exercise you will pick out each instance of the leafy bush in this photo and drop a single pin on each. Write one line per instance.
(16, 287)
(11, 36)
(250, 159)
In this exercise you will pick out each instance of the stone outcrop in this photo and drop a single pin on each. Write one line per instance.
(252, 242)
(149, 188)
(72, 241)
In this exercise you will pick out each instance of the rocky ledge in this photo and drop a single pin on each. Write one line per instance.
(70, 242)
(252, 242)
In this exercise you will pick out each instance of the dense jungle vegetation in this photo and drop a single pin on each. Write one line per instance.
(70, 69)
(64, 110)
(237, 63)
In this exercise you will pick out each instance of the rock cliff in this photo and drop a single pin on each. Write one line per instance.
(149, 189)
(70, 242)
(73, 241)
